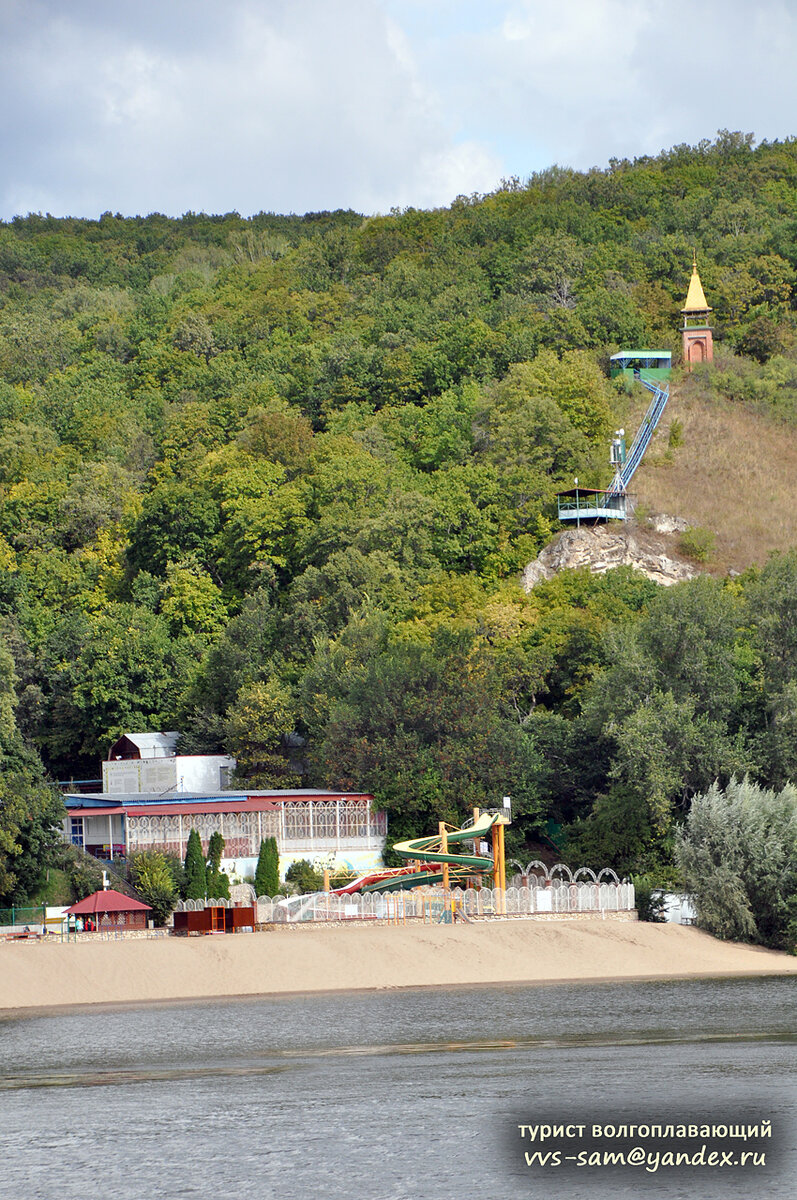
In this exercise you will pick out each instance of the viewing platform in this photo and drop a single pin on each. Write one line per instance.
(587, 506)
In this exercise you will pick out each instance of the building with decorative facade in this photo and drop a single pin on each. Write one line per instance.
(329, 829)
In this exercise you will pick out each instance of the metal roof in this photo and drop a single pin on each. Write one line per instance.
(319, 793)
(240, 804)
(124, 799)
(107, 902)
(156, 804)
(151, 745)
(641, 354)
(583, 491)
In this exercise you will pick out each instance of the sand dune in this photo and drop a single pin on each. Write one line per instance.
(333, 958)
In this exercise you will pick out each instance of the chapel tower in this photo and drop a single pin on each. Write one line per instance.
(698, 344)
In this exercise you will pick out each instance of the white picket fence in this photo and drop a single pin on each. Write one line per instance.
(558, 894)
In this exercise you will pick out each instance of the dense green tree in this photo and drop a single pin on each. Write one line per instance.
(126, 676)
(31, 812)
(618, 833)
(153, 880)
(218, 882)
(191, 602)
(178, 519)
(420, 727)
(670, 698)
(242, 656)
(31, 821)
(738, 855)
(772, 611)
(322, 599)
(255, 472)
(257, 733)
(194, 868)
(8, 700)
(267, 873)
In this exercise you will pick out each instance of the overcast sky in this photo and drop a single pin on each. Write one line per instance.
(137, 106)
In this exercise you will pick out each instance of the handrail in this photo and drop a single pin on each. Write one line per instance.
(646, 430)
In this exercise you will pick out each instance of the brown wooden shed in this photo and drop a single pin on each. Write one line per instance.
(215, 919)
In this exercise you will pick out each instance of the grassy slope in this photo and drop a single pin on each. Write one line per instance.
(735, 474)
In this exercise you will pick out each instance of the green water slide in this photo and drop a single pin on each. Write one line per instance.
(429, 853)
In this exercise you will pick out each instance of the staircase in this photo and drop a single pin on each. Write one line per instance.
(642, 440)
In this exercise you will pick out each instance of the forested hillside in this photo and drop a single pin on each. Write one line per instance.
(270, 482)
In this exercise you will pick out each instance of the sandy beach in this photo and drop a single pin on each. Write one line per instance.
(40, 975)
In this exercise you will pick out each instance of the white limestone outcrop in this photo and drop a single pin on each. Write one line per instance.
(602, 547)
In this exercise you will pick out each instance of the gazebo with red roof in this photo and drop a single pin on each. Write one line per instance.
(109, 909)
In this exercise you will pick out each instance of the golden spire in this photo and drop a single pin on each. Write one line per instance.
(695, 297)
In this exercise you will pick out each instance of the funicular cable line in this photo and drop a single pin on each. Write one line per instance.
(643, 436)
(651, 368)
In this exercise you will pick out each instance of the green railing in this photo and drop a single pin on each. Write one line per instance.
(35, 915)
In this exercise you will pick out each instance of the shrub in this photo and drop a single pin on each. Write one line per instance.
(84, 874)
(738, 854)
(697, 543)
(176, 870)
(217, 881)
(676, 437)
(649, 898)
(218, 885)
(304, 876)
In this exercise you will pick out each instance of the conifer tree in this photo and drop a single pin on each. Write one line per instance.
(215, 851)
(267, 873)
(218, 882)
(195, 873)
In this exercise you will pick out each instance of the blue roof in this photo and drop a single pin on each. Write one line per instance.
(136, 799)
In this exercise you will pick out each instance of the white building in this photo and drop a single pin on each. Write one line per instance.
(327, 828)
(149, 762)
(153, 797)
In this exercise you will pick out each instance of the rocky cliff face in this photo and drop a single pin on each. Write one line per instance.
(649, 549)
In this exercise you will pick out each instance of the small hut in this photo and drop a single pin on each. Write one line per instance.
(110, 910)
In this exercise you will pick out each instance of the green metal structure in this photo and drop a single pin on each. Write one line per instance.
(650, 365)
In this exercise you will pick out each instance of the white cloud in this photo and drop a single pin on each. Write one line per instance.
(281, 106)
(306, 104)
(582, 81)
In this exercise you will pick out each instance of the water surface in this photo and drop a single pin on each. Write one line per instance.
(392, 1095)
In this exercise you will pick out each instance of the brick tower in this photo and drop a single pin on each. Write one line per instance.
(698, 344)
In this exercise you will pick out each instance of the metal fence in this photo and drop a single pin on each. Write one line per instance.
(20, 915)
(555, 896)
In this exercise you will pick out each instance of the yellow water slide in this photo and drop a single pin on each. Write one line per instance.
(436, 864)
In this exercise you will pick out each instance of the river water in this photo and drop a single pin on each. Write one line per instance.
(398, 1094)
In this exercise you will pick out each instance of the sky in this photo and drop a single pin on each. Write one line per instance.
(139, 106)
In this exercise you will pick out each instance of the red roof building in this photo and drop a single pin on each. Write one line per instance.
(107, 910)
(341, 829)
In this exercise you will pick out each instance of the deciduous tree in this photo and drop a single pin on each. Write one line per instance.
(738, 855)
